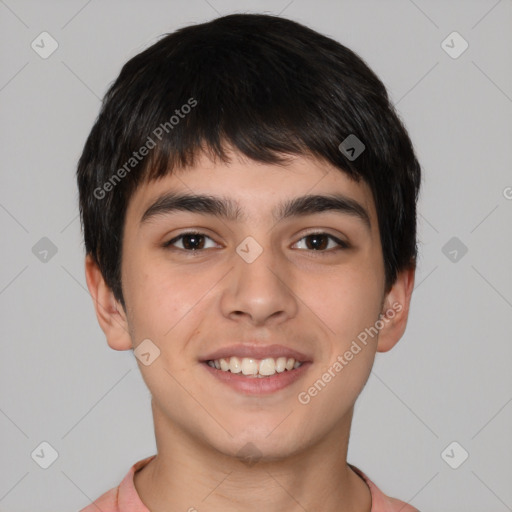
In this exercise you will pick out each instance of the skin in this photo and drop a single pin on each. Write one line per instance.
(189, 306)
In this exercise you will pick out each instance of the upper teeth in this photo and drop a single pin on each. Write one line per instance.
(250, 366)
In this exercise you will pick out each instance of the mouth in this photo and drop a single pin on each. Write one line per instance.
(256, 377)
(255, 368)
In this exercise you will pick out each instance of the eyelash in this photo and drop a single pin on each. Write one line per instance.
(341, 244)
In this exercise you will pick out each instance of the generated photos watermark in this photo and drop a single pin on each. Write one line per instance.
(342, 360)
(143, 151)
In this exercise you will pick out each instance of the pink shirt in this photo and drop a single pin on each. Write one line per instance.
(124, 497)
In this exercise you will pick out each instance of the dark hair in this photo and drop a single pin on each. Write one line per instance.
(264, 85)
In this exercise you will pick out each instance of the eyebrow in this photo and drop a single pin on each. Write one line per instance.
(230, 210)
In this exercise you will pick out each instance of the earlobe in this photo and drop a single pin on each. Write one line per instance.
(396, 310)
(109, 312)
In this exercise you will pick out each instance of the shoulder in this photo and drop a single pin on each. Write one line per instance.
(381, 502)
(124, 497)
(107, 502)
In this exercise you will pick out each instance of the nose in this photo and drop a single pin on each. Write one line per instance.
(260, 292)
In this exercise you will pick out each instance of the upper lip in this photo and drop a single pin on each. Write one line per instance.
(256, 352)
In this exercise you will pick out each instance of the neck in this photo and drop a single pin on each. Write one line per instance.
(187, 475)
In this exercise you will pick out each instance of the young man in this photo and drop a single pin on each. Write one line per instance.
(248, 199)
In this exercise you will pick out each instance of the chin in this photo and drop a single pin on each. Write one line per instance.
(255, 444)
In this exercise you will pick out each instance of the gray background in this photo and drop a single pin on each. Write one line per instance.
(449, 377)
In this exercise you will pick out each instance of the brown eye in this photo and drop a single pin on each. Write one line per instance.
(320, 242)
(190, 241)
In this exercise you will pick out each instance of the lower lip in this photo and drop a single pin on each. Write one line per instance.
(259, 386)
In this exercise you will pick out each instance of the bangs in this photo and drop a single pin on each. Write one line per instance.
(277, 105)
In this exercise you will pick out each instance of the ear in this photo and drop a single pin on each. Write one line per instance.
(111, 315)
(395, 310)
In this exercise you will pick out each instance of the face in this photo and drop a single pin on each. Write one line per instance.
(257, 282)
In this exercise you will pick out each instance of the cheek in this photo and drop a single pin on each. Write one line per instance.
(349, 305)
(162, 300)
(347, 301)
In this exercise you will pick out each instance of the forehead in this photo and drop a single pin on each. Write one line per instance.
(252, 190)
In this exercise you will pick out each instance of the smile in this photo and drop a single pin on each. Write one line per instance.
(251, 367)
(253, 382)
